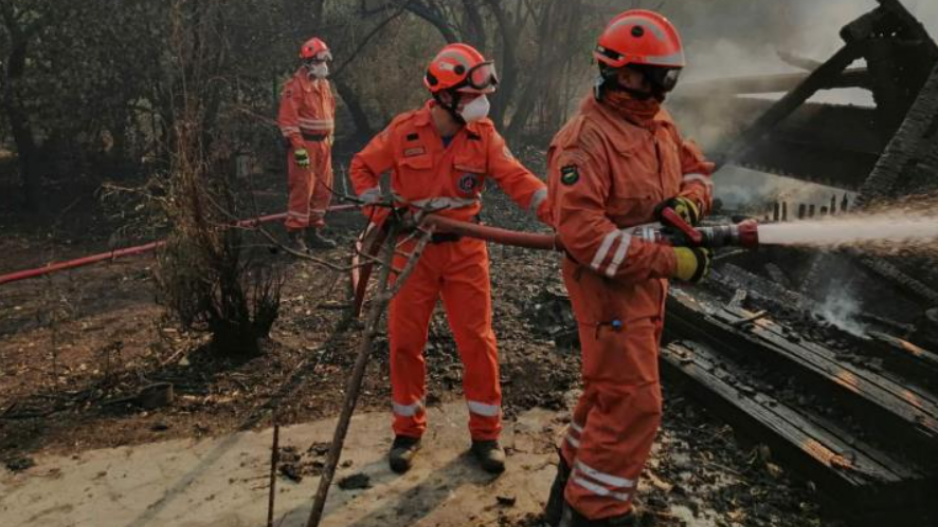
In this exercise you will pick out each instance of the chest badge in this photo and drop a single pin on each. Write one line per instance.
(467, 183)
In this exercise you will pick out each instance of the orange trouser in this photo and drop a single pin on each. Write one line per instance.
(617, 417)
(310, 187)
(459, 272)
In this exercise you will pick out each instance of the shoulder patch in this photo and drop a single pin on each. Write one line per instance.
(569, 175)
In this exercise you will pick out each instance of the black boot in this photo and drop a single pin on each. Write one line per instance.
(490, 456)
(571, 518)
(403, 450)
(318, 241)
(297, 243)
(554, 507)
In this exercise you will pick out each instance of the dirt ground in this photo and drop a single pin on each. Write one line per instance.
(78, 348)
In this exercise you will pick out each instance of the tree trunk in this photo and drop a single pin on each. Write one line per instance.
(507, 64)
(352, 102)
(19, 119)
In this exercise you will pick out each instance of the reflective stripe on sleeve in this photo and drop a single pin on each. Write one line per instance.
(619, 257)
(706, 180)
(604, 250)
(537, 199)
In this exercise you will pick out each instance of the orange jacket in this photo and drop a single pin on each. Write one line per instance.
(606, 174)
(451, 179)
(307, 108)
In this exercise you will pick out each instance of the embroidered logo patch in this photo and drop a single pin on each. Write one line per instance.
(468, 183)
(416, 151)
(569, 175)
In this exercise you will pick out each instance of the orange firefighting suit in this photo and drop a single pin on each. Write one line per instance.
(428, 174)
(605, 175)
(307, 120)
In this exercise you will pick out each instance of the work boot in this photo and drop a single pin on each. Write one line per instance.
(318, 241)
(490, 456)
(554, 507)
(402, 453)
(572, 518)
(297, 243)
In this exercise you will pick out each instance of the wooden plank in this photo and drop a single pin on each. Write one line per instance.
(855, 476)
(905, 358)
(896, 415)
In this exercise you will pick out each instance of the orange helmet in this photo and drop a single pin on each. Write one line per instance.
(462, 68)
(640, 37)
(315, 48)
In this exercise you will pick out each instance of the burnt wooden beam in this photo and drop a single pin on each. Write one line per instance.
(814, 82)
(868, 485)
(904, 417)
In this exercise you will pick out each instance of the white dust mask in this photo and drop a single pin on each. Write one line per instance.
(476, 110)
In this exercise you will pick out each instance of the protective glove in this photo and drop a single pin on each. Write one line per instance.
(301, 156)
(693, 263)
(686, 208)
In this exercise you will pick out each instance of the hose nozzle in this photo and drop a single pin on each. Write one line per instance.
(745, 234)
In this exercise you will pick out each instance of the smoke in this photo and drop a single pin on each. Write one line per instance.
(747, 190)
(841, 309)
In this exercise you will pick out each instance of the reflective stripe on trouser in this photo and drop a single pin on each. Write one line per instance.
(309, 187)
(459, 272)
(617, 417)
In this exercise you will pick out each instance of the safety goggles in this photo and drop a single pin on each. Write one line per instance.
(481, 77)
(321, 57)
(663, 79)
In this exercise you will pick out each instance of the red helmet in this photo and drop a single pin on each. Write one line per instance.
(315, 48)
(640, 37)
(462, 68)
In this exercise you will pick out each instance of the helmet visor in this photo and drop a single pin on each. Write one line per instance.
(482, 78)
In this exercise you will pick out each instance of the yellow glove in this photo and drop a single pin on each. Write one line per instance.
(301, 156)
(693, 264)
(686, 208)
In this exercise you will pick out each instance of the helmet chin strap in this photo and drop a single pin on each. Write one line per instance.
(451, 108)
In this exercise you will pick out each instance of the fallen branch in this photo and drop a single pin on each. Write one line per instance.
(382, 299)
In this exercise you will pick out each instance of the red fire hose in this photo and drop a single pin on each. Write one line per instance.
(528, 240)
(129, 251)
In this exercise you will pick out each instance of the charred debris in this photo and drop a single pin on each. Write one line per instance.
(829, 358)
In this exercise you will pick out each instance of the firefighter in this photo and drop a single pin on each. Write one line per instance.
(306, 120)
(615, 165)
(439, 158)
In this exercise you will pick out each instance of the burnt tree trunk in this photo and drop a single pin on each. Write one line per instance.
(11, 101)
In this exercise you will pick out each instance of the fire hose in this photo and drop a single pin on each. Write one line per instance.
(130, 251)
(673, 231)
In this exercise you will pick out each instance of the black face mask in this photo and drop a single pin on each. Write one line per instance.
(661, 80)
